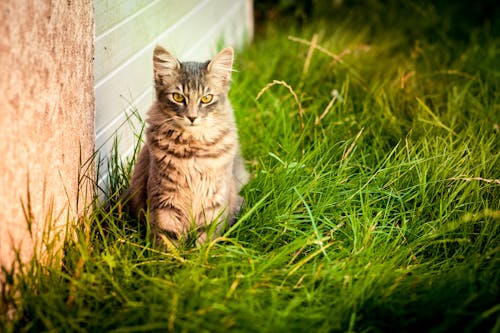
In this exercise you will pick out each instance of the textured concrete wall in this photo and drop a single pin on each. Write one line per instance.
(46, 115)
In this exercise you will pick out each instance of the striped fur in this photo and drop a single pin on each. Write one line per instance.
(190, 171)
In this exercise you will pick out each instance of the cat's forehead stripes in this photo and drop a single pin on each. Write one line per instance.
(192, 75)
(194, 68)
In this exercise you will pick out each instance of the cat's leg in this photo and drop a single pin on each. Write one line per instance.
(134, 199)
(239, 171)
(167, 222)
(235, 210)
(202, 238)
(240, 178)
(208, 232)
(235, 202)
(210, 223)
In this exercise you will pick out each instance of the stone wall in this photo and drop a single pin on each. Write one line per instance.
(46, 117)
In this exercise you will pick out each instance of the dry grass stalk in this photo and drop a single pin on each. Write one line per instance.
(317, 121)
(283, 83)
(346, 154)
(468, 179)
(319, 47)
(310, 52)
(335, 57)
(457, 73)
(405, 77)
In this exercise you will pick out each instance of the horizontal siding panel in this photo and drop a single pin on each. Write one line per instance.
(229, 30)
(110, 13)
(116, 46)
(129, 114)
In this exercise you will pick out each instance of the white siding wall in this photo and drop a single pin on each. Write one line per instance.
(126, 32)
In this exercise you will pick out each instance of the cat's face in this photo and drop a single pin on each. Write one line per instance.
(192, 94)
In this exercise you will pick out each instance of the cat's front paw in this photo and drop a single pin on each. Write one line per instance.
(167, 227)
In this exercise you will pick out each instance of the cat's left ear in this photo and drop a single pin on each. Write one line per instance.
(221, 66)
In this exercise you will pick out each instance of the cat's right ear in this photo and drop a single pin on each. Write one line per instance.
(221, 66)
(164, 63)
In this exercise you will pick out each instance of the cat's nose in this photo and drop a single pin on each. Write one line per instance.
(192, 119)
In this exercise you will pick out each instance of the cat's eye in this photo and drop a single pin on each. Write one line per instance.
(178, 97)
(207, 98)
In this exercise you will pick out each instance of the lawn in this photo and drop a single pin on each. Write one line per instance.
(371, 131)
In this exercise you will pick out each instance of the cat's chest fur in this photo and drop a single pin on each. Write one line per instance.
(198, 162)
(205, 184)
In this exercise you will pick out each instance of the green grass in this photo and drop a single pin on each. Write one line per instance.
(382, 216)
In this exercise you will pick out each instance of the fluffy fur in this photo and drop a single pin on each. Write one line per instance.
(190, 171)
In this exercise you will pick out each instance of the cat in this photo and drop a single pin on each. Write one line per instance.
(190, 170)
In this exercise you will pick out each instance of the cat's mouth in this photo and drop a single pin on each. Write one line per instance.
(189, 125)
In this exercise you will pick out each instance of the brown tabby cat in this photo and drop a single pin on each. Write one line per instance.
(190, 169)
